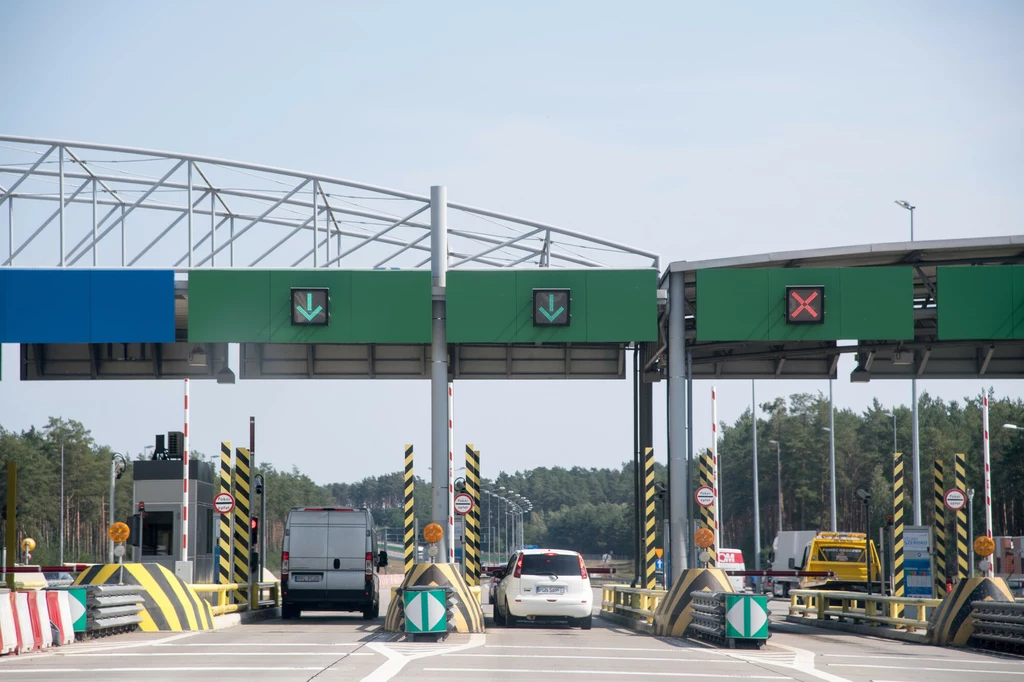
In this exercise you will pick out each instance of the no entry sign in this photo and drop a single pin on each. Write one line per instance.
(463, 503)
(705, 496)
(955, 499)
(224, 503)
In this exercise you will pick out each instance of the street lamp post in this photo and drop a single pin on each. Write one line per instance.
(778, 461)
(832, 452)
(866, 497)
(915, 441)
(970, 531)
(757, 504)
(118, 464)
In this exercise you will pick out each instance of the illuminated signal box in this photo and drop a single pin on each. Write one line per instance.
(805, 305)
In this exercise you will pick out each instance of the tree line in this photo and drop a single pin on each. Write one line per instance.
(587, 509)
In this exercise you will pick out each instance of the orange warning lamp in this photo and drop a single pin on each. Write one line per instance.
(984, 546)
(704, 538)
(433, 533)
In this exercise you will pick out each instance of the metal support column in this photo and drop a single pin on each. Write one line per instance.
(757, 503)
(440, 467)
(679, 464)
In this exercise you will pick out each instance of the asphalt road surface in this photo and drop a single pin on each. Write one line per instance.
(339, 647)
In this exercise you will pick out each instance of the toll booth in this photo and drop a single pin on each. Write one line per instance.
(158, 485)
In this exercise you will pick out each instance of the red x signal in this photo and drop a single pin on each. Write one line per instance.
(805, 304)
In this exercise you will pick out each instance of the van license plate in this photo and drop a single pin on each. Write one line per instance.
(550, 589)
(306, 577)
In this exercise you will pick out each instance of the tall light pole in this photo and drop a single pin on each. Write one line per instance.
(970, 531)
(757, 504)
(832, 452)
(778, 460)
(915, 441)
(62, 496)
(118, 464)
(895, 447)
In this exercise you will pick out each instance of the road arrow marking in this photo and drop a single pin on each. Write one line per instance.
(309, 306)
(551, 305)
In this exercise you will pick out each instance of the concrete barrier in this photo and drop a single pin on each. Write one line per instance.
(8, 624)
(674, 613)
(58, 605)
(23, 622)
(952, 624)
(170, 604)
(40, 616)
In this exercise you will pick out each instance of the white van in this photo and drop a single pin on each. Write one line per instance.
(330, 562)
(732, 560)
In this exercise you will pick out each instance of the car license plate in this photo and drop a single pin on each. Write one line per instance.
(550, 589)
(306, 577)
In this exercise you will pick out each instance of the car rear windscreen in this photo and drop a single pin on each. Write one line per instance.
(543, 564)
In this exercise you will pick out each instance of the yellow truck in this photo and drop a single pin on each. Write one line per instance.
(846, 556)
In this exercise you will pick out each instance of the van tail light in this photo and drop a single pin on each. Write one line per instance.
(583, 566)
(284, 565)
(369, 565)
(518, 573)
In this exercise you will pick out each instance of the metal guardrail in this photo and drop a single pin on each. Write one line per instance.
(631, 601)
(111, 609)
(860, 607)
(998, 625)
(265, 595)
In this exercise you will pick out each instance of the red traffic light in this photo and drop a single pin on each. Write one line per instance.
(253, 523)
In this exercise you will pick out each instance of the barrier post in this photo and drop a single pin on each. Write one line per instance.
(224, 542)
(243, 468)
(410, 511)
(898, 488)
(940, 529)
(707, 514)
(471, 521)
(960, 482)
(650, 522)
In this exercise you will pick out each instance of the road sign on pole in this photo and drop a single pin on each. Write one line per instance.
(705, 496)
(463, 503)
(955, 499)
(224, 503)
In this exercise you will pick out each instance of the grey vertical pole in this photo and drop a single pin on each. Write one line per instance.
(231, 242)
(439, 366)
(62, 496)
(95, 246)
(113, 463)
(263, 530)
(316, 234)
(917, 457)
(60, 165)
(690, 527)
(832, 452)
(757, 504)
(678, 461)
(970, 532)
(10, 231)
(213, 233)
(124, 250)
(190, 239)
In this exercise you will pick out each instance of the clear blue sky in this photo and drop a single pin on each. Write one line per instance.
(690, 129)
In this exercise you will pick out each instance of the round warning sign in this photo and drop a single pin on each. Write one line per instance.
(224, 503)
(705, 496)
(955, 499)
(463, 503)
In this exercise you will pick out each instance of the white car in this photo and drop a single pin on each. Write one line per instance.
(544, 585)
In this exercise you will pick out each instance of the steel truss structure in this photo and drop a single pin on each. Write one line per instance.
(73, 204)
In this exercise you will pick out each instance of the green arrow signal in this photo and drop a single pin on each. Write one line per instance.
(308, 311)
(551, 306)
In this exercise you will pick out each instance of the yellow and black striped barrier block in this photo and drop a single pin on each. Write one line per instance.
(951, 624)
(243, 472)
(960, 478)
(898, 491)
(472, 519)
(469, 616)
(650, 558)
(940, 529)
(224, 539)
(410, 511)
(674, 613)
(170, 604)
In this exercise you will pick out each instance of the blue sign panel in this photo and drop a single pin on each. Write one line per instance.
(917, 561)
(132, 306)
(659, 565)
(47, 306)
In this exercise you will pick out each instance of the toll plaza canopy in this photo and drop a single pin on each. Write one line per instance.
(790, 315)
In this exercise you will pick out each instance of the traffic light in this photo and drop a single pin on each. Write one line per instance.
(254, 531)
(888, 521)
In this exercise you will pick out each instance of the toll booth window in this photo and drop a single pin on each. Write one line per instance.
(545, 564)
(157, 533)
(850, 555)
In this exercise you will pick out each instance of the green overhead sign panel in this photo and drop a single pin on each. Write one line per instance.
(552, 306)
(980, 302)
(805, 304)
(309, 306)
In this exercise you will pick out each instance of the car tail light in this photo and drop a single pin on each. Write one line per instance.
(583, 566)
(518, 573)
(369, 564)
(284, 565)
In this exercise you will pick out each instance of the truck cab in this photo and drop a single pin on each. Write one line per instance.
(845, 555)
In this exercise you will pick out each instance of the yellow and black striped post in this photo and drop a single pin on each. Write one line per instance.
(224, 543)
(243, 468)
(472, 519)
(707, 514)
(410, 511)
(650, 523)
(940, 529)
(962, 533)
(898, 490)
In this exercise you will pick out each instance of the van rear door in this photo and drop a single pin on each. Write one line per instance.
(307, 554)
(347, 544)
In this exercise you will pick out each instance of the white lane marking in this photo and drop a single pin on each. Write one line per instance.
(264, 644)
(136, 669)
(593, 658)
(620, 673)
(136, 645)
(667, 650)
(973, 671)
(332, 654)
(803, 661)
(397, 658)
(892, 657)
